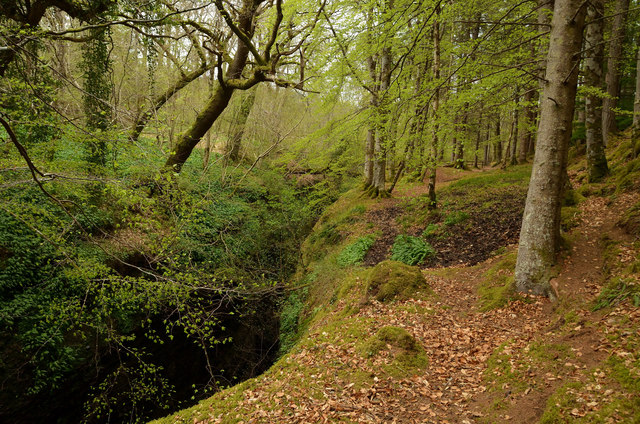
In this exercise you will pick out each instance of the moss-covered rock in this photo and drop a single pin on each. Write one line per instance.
(407, 353)
(572, 198)
(391, 280)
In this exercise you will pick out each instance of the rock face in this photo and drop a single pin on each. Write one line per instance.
(390, 280)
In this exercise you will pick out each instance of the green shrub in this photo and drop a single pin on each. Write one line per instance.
(411, 250)
(355, 252)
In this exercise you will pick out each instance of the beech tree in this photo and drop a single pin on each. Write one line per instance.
(232, 72)
(540, 233)
(614, 67)
(594, 41)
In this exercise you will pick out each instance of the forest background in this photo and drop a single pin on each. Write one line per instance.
(162, 162)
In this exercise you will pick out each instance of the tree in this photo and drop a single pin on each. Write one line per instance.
(636, 106)
(540, 233)
(231, 71)
(594, 40)
(614, 68)
(96, 66)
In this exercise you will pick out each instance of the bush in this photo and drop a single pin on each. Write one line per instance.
(411, 250)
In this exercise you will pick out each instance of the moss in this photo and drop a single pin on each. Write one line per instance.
(502, 372)
(391, 280)
(630, 221)
(559, 404)
(626, 374)
(569, 217)
(628, 176)
(497, 287)
(572, 198)
(408, 355)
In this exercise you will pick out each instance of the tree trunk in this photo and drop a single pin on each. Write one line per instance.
(596, 159)
(459, 156)
(613, 68)
(540, 233)
(508, 150)
(380, 148)
(433, 157)
(235, 143)
(218, 100)
(498, 143)
(636, 109)
(514, 146)
(368, 158)
(529, 116)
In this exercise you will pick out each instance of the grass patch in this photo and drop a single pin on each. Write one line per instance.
(455, 217)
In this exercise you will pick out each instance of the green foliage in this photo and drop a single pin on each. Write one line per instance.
(355, 252)
(411, 250)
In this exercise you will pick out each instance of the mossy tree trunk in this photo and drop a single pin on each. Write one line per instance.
(594, 40)
(235, 143)
(540, 233)
(636, 109)
(433, 155)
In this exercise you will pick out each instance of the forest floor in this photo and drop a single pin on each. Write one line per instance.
(491, 356)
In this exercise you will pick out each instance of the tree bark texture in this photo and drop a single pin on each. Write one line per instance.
(382, 118)
(594, 41)
(433, 155)
(235, 143)
(613, 68)
(636, 108)
(540, 232)
(498, 144)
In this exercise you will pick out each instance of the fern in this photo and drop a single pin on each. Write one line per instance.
(355, 252)
(411, 250)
